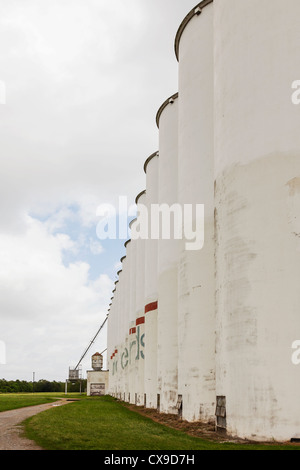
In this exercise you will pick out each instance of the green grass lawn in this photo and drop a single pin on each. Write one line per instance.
(13, 401)
(105, 424)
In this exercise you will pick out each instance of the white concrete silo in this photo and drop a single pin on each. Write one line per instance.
(116, 370)
(140, 300)
(110, 346)
(132, 319)
(113, 342)
(167, 122)
(151, 287)
(125, 260)
(257, 171)
(121, 333)
(196, 284)
(109, 349)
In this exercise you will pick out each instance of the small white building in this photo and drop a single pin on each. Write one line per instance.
(97, 379)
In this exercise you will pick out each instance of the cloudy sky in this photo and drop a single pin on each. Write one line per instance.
(83, 81)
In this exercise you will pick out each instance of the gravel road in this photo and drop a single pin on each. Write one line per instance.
(11, 432)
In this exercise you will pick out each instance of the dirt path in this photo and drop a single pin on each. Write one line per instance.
(204, 431)
(11, 433)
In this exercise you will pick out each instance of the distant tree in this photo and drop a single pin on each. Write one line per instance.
(22, 386)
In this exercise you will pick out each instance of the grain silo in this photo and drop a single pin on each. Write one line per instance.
(109, 345)
(125, 260)
(151, 287)
(126, 358)
(112, 346)
(140, 300)
(257, 172)
(167, 122)
(116, 370)
(121, 333)
(132, 318)
(196, 285)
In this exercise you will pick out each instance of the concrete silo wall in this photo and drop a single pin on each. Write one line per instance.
(196, 282)
(167, 120)
(140, 304)
(257, 169)
(109, 348)
(124, 357)
(210, 331)
(113, 354)
(151, 287)
(124, 320)
(132, 321)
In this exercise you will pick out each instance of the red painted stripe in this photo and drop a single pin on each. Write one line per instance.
(116, 351)
(151, 307)
(140, 321)
(132, 331)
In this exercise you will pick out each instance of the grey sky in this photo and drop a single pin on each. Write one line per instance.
(84, 80)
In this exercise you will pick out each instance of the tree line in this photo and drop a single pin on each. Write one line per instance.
(22, 386)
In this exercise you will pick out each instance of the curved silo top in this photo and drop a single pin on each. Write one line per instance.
(132, 222)
(155, 154)
(127, 243)
(195, 11)
(170, 100)
(139, 196)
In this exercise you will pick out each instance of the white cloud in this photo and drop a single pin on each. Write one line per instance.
(96, 247)
(46, 304)
(84, 80)
(35, 282)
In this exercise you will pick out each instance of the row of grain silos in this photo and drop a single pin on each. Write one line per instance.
(207, 333)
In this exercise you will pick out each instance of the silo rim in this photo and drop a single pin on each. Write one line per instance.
(126, 243)
(140, 195)
(185, 22)
(131, 222)
(163, 106)
(155, 154)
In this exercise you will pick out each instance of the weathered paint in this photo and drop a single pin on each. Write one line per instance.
(257, 169)
(140, 303)
(151, 288)
(196, 282)
(132, 316)
(238, 153)
(168, 261)
(98, 380)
